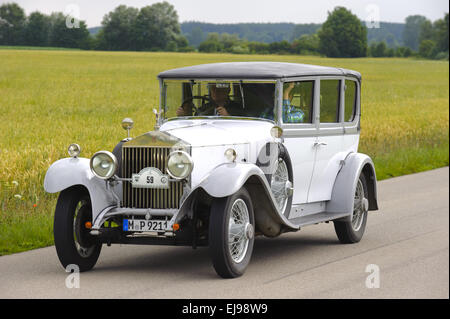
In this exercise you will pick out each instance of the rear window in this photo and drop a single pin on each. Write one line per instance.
(329, 101)
(350, 100)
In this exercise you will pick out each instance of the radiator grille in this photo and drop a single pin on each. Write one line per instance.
(136, 158)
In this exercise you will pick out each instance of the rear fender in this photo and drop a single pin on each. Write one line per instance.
(342, 196)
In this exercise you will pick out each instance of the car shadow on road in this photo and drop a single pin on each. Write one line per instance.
(288, 245)
(186, 262)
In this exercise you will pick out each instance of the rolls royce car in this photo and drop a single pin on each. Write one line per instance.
(238, 150)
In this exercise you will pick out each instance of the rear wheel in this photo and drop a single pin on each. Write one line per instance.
(74, 244)
(231, 234)
(352, 230)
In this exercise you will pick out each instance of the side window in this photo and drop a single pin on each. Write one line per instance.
(298, 102)
(329, 101)
(350, 100)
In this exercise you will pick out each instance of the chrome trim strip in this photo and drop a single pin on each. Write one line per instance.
(215, 117)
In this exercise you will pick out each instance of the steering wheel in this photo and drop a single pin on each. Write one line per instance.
(204, 99)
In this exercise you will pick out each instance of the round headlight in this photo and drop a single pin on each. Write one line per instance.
(179, 164)
(74, 150)
(103, 164)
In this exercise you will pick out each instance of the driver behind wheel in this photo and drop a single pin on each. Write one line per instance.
(220, 103)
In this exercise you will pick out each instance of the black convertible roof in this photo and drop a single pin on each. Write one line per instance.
(253, 70)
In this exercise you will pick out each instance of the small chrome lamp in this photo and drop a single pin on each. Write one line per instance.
(127, 124)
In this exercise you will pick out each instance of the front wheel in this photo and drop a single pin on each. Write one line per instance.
(351, 230)
(231, 234)
(74, 244)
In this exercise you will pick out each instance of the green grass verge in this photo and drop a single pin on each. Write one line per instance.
(410, 161)
(22, 234)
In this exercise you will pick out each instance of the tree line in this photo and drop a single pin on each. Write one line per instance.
(151, 28)
(156, 28)
(344, 35)
(39, 30)
(197, 32)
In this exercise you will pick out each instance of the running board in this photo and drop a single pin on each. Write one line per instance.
(316, 218)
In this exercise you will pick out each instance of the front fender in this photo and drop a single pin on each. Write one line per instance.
(344, 188)
(68, 172)
(226, 179)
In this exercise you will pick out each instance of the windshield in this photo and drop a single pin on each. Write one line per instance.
(189, 98)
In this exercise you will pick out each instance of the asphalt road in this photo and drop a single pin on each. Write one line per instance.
(408, 240)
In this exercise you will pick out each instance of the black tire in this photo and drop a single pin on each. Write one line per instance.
(70, 232)
(223, 262)
(345, 230)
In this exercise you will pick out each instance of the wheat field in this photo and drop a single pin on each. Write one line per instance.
(49, 99)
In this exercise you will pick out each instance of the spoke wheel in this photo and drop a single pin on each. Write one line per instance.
(231, 234)
(352, 229)
(279, 184)
(358, 207)
(237, 237)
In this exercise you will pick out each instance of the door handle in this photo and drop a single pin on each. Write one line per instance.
(319, 144)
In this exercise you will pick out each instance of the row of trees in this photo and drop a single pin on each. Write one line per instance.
(151, 28)
(380, 49)
(156, 28)
(231, 43)
(197, 32)
(344, 35)
(421, 37)
(40, 30)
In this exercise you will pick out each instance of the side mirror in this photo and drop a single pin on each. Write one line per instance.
(127, 124)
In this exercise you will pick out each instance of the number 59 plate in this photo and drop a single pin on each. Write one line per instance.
(150, 177)
(151, 225)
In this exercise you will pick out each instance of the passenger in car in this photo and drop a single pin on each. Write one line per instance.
(220, 103)
(289, 112)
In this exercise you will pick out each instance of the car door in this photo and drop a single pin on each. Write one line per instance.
(330, 140)
(300, 135)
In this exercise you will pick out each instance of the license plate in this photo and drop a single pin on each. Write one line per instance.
(151, 225)
(150, 177)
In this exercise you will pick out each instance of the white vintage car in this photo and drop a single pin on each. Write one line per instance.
(238, 150)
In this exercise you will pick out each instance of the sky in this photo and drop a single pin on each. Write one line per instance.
(234, 11)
